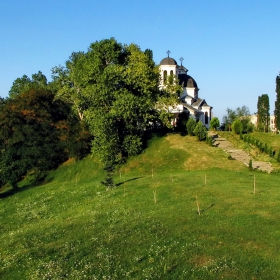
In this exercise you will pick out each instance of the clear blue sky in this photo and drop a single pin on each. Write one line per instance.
(231, 48)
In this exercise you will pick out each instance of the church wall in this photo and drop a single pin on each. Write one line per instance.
(207, 112)
(191, 92)
(168, 68)
(184, 93)
(177, 109)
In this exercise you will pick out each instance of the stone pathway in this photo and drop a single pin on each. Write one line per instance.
(239, 154)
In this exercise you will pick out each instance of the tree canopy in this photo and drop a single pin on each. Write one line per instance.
(214, 123)
(277, 103)
(30, 130)
(241, 113)
(114, 88)
(38, 81)
(263, 113)
(237, 126)
(108, 95)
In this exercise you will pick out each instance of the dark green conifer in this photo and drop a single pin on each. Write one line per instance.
(277, 103)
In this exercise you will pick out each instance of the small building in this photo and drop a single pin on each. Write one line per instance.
(272, 122)
(189, 99)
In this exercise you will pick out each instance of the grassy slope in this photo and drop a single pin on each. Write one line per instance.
(72, 228)
(273, 140)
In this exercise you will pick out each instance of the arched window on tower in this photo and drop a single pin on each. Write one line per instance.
(164, 76)
(206, 117)
(171, 72)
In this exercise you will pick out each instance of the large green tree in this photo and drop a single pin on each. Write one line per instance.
(31, 134)
(241, 113)
(263, 112)
(277, 103)
(237, 126)
(38, 81)
(168, 100)
(114, 89)
(2, 102)
(70, 83)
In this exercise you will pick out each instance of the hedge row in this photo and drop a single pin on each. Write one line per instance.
(263, 147)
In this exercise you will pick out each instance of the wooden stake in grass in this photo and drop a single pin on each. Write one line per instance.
(166, 266)
(197, 204)
(152, 172)
(254, 183)
(120, 173)
(205, 181)
(155, 196)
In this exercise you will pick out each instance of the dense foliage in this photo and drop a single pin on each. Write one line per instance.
(37, 133)
(241, 113)
(31, 128)
(237, 126)
(263, 113)
(200, 131)
(214, 123)
(262, 146)
(277, 103)
(106, 98)
(191, 123)
(23, 84)
(114, 88)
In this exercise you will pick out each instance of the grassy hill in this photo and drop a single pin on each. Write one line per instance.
(149, 226)
(272, 140)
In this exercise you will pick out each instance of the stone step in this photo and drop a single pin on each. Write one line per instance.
(240, 155)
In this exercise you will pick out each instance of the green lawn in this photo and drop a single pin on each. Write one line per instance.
(148, 227)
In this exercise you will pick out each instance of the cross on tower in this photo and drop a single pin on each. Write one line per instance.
(181, 59)
(168, 52)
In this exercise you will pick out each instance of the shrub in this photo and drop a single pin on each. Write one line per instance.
(209, 140)
(200, 131)
(237, 126)
(182, 122)
(214, 123)
(266, 150)
(249, 128)
(230, 158)
(191, 124)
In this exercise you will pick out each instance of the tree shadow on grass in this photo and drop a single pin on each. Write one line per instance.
(209, 207)
(125, 181)
(28, 185)
(149, 134)
(9, 192)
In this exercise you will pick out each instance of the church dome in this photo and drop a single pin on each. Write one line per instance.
(168, 61)
(187, 81)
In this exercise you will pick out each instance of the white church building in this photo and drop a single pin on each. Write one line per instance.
(189, 99)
